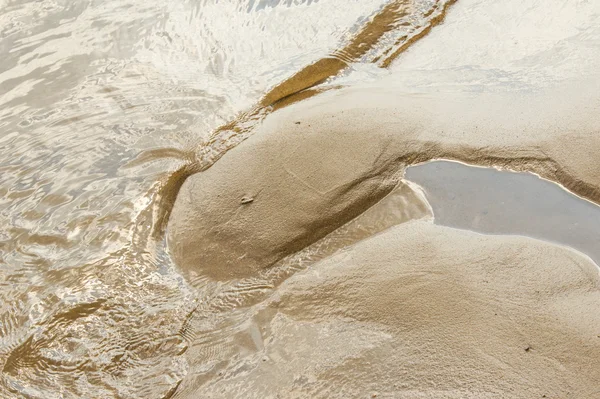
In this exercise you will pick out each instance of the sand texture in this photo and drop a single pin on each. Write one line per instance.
(271, 197)
(418, 310)
(306, 179)
(423, 311)
(529, 104)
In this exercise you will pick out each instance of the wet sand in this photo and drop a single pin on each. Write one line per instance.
(423, 311)
(417, 310)
(364, 136)
(99, 103)
(294, 267)
(350, 148)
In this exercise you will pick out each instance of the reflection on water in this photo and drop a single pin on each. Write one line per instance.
(90, 307)
(490, 201)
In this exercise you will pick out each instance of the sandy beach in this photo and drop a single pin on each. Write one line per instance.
(416, 311)
(279, 199)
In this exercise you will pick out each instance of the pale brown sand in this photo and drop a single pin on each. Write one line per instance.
(418, 310)
(423, 311)
(271, 197)
(313, 166)
(349, 149)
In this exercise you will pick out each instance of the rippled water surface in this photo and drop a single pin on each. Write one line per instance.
(91, 305)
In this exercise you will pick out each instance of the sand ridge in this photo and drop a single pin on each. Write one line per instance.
(423, 311)
(349, 150)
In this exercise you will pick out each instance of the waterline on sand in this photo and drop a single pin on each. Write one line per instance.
(492, 201)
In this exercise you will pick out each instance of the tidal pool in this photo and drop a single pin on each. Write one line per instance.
(492, 201)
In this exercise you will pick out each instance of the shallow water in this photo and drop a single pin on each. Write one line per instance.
(491, 201)
(99, 101)
(91, 305)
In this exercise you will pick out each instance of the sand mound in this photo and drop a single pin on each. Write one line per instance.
(290, 184)
(274, 195)
(422, 311)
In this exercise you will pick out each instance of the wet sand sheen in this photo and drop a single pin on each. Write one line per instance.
(419, 305)
(491, 201)
(300, 86)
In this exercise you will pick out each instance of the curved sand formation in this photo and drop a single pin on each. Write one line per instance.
(315, 165)
(405, 21)
(292, 183)
(417, 311)
(422, 311)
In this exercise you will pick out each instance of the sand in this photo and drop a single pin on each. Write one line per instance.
(423, 311)
(349, 150)
(313, 166)
(418, 310)
(271, 197)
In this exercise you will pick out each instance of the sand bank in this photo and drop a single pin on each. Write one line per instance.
(423, 311)
(292, 183)
(313, 166)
